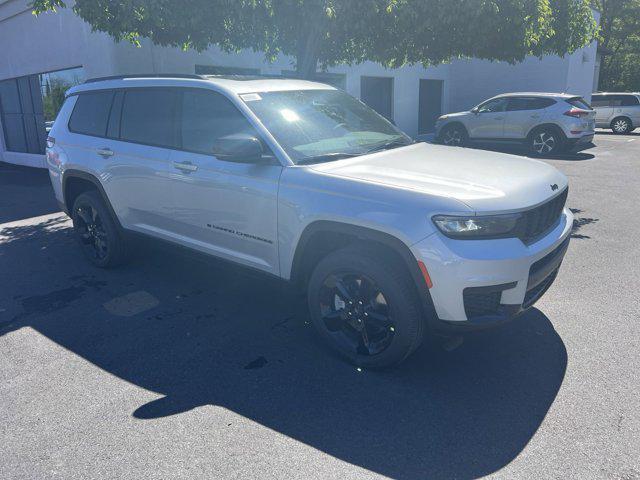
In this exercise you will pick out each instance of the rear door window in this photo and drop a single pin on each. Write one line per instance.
(528, 103)
(149, 117)
(91, 113)
(624, 100)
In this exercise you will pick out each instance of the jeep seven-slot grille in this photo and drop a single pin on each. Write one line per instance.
(538, 220)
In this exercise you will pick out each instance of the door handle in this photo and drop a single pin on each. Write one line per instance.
(105, 152)
(185, 166)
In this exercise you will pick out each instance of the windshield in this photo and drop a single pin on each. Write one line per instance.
(322, 125)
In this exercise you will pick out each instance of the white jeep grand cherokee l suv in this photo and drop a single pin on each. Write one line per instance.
(389, 238)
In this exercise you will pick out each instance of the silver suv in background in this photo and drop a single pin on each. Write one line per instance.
(548, 123)
(618, 111)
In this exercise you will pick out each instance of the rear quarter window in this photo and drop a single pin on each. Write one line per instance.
(579, 102)
(91, 113)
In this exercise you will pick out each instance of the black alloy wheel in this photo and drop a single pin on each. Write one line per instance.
(96, 231)
(355, 312)
(92, 234)
(364, 304)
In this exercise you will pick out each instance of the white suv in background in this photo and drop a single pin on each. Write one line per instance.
(548, 123)
(388, 238)
(618, 111)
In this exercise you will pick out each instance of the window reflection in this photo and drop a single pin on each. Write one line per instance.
(29, 105)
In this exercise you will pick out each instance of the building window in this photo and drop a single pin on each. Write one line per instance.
(29, 105)
(377, 92)
(217, 70)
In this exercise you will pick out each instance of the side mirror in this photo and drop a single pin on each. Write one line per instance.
(239, 147)
(475, 110)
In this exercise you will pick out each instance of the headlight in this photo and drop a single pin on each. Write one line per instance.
(443, 117)
(490, 226)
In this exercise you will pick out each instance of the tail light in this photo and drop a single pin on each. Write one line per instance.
(577, 113)
(50, 142)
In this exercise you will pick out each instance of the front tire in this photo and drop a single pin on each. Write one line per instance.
(96, 231)
(546, 141)
(621, 126)
(365, 307)
(454, 135)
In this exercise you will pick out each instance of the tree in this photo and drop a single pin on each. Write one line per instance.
(322, 33)
(620, 42)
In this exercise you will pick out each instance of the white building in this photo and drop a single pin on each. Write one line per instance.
(41, 55)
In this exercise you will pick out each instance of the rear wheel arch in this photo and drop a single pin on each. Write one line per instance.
(76, 182)
(543, 126)
(323, 237)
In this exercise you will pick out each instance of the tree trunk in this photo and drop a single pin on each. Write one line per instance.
(308, 52)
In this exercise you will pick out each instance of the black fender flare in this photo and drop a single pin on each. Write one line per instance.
(73, 173)
(365, 234)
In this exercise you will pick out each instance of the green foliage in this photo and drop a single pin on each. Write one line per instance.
(327, 32)
(620, 41)
(53, 98)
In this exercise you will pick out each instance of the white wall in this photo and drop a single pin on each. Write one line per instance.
(154, 59)
(30, 45)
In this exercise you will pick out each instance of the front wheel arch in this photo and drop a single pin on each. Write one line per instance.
(307, 253)
(452, 125)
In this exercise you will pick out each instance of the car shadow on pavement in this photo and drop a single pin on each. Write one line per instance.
(225, 337)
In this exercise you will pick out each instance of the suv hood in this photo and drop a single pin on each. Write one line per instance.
(487, 182)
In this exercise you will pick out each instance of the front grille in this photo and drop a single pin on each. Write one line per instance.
(478, 304)
(535, 222)
(534, 294)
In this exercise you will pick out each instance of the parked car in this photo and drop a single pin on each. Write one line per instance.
(548, 123)
(618, 111)
(389, 238)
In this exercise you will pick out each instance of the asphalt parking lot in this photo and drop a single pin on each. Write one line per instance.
(177, 367)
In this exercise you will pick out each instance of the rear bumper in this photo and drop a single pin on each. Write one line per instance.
(582, 141)
(479, 284)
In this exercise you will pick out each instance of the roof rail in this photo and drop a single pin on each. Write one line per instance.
(145, 75)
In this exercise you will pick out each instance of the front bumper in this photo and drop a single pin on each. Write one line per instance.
(480, 283)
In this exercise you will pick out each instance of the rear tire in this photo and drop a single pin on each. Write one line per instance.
(365, 307)
(97, 232)
(546, 141)
(621, 126)
(454, 135)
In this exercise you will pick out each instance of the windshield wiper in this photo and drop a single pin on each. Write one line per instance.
(397, 142)
(326, 157)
